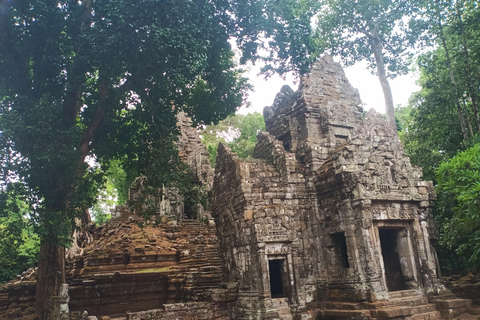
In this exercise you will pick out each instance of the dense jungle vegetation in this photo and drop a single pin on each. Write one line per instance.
(101, 81)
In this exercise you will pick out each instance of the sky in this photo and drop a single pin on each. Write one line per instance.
(359, 76)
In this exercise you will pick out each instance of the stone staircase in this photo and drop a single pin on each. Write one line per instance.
(183, 271)
(281, 306)
(408, 305)
(199, 264)
(402, 305)
(450, 306)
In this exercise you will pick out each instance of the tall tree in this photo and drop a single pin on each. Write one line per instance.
(443, 122)
(105, 79)
(378, 31)
(444, 113)
(454, 29)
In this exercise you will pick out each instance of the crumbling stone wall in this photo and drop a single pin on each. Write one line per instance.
(166, 202)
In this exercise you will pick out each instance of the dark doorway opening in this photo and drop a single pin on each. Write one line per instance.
(391, 260)
(286, 141)
(277, 278)
(340, 243)
(190, 206)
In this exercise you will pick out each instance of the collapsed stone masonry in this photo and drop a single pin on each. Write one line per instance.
(330, 219)
(167, 203)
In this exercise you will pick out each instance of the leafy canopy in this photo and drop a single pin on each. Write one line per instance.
(459, 196)
(348, 28)
(106, 79)
(442, 126)
(19, 245)
(239, 132)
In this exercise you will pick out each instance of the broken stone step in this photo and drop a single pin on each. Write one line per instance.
(403, 311)
(402, 293)
(344, 314)
(454, 304)
(432, 315)
(448, 296)
(392, 312)
(406, 302)
(336, 305)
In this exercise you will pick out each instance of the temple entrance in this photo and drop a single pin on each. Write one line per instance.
(391, 259)
(278, 278)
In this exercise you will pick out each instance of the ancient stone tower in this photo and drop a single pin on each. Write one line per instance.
(330, 216)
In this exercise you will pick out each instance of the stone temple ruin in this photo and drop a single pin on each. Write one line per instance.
(328, 221)
(330, 216)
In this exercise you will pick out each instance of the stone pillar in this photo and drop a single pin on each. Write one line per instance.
(60, 304)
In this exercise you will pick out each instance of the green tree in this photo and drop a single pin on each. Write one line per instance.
(239, 132)
(443, 114)
(114, 191)
(442, 123)
(379, 32)
(459, 200)
(105, 79)
(453, 26)
(19, 245)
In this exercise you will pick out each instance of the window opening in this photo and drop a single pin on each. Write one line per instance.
(340, 243)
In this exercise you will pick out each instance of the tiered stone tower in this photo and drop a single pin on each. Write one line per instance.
(331, 220)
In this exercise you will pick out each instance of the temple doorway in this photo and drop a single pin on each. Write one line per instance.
(278, 278)
(391, 260)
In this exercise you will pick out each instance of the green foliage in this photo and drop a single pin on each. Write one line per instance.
(291, 41)
(348, 28)
(117, 180)
(239, 132)
(431, 133)
(113, 191)
(458, 208)
(443, 116)
(106, 79)
(19, 245)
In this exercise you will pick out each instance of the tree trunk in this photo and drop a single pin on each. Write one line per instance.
(450, 71)
(50, 277)
(454, 84)
(471, 88)
(382, 76)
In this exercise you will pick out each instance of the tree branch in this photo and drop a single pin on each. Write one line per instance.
(100, 113)
(72, 103)
(365, 32)
(387, 15)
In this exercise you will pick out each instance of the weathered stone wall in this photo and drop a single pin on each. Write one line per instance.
(17, 298)
(193, 152)
(166, 202)
(368, 185)
(114, 294)
(260, 222)
(219, 305)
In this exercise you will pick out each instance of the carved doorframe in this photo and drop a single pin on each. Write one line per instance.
(407, 254)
